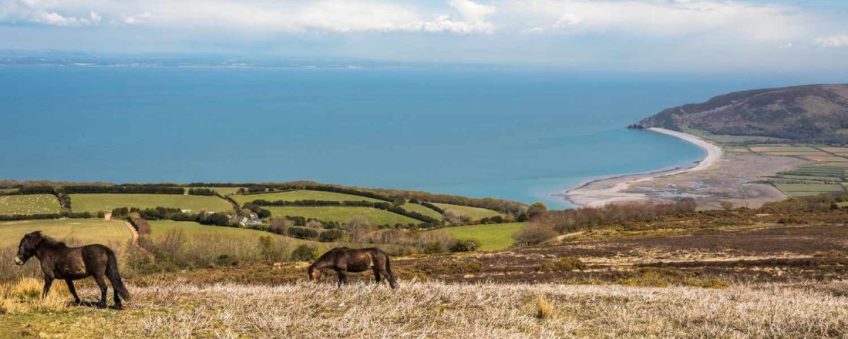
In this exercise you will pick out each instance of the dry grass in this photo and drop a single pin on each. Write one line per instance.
(24, 296)
(456, 310)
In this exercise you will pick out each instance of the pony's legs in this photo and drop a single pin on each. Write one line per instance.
(376, 276)
(103, 289)
(117, 297)
(48, 281)
(73, 290)
(390, 277)
(342, 277)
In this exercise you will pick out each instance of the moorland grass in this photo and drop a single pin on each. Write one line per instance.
(492, 237)
(475, 213)
(107, 202)
(29, 204)
(434, 309)
(301, 195)
(342, 214)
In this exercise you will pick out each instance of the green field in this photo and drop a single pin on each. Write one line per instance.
(301, 195)
(492, 237)
(108, 202)
(342, 214)
(475, 213)
(160, 228)
(29, 204)
(76, 231)
(422, 209)
(809, 189)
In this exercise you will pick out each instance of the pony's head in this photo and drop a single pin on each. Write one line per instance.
(26, 249)
(313, 273)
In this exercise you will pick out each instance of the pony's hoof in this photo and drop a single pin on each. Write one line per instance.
(101, 305)
(118, 307)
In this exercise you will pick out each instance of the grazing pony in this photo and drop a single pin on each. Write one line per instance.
(59, 261)
(343, 260)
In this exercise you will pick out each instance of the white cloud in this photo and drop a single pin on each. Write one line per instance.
(458, 16)
(760, 22)
(834, 41)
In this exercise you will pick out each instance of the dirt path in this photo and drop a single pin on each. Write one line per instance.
(133, 232)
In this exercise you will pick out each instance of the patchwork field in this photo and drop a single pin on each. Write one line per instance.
(492, 237)
(301, 195)
(161, 228)
(343, 214)
(29, 204)
(81, 231)
(107, 202)
(809, 189)
(475, 213)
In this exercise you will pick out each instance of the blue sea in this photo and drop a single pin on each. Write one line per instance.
(505, 133)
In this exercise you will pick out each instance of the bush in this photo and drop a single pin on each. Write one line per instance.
(304, 253)
(302, 233)
(466, 245)
(218, 219)
(201, 191)
(330, 235)
(533, 234)
(139, 223)
(564, 264)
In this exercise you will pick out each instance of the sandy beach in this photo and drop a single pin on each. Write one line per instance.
(604, 191)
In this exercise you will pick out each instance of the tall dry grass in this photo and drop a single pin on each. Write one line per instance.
(468, 311)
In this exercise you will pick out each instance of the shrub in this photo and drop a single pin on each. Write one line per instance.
(466, 245)
(139, 223)
(304, 253)
(201, 191)
(564, 264)
(533, 234)
(330, 235)
(536, 210)
(302, 232)
(218, 219)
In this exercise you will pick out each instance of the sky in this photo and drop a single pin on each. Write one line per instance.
(626, 35)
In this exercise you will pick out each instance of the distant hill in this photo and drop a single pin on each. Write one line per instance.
(810, 113)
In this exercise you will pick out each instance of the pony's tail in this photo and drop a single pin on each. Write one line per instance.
(115, 277)
(392, 281)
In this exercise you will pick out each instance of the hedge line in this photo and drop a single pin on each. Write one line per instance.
(126, 189)
(16, 217)
(378, 205)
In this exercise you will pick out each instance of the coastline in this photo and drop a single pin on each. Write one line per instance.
(603, 191)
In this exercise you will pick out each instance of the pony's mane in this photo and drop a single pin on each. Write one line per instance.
(51, 242)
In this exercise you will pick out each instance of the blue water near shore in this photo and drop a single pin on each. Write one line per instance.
(514, 134)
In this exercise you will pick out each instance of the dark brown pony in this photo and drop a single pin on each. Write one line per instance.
(59, 261)
(344, 260)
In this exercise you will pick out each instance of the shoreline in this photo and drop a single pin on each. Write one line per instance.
(612, 188)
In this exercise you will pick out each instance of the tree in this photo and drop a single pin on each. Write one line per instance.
(533, 234)
(535, 210)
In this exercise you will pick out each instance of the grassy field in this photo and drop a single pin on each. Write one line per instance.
(301, 195)
(81, 231)
(433, 309)
(422, 209)
(492, 237)
(108, 202)
(160, 228)
(809, 189)
(474, 213)
(29, 204)
(343, 214)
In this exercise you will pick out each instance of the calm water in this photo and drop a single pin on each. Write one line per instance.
(519, 135)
